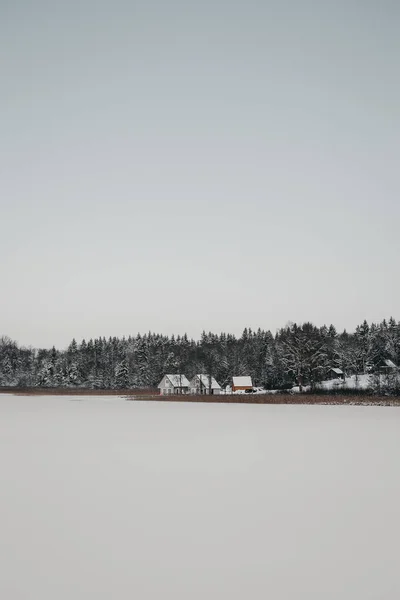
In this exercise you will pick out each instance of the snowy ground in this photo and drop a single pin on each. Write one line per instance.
(360, 382)
(107, 499)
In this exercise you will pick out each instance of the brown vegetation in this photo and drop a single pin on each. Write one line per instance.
(272, 399)
(148, 394)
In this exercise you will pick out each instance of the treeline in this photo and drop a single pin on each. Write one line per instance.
(295, 353)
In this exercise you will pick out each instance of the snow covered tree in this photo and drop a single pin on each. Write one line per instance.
(6, 372)
(45, 375)
(364, 340)
(122, 375)
(303, 353)
(73, 375)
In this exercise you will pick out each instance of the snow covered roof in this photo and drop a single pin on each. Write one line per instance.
(205, 381)
(389, 363)
(337, 371)
(242, 381)
(178, 380)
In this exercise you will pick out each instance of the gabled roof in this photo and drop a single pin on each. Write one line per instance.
(206, 382)
(242, 381)
(177, 380)
(337, 371)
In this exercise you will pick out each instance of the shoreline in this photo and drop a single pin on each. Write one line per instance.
(140, 395)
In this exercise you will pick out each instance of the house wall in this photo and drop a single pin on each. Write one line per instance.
(333, 375)
(236, 388)
(165, 391)
(196, 387)
(181, 390)
(166, 386)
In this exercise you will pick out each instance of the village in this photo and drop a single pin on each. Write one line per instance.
(335, 378)
(202, 384)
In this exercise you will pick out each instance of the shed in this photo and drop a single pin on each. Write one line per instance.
(174, 384)
(335, 373)
(387, 366)
(241, 383)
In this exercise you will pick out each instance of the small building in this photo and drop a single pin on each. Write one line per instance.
(387, 366)
(200, 384)
(174, 384)
(241, 383)
(335, 373)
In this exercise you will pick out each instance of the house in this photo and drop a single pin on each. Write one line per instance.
(174, 384)
(334, 373)
(200, 384)
(241, 383)
(387, 366)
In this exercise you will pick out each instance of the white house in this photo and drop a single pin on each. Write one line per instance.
(174, 384)
(241, 383)
(200, 384)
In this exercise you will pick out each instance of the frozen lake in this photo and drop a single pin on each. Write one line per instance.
(108, 499)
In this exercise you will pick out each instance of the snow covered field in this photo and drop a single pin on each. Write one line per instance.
(107, 499)
(360, 382)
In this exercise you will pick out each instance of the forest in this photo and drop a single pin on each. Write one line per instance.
(296, 352)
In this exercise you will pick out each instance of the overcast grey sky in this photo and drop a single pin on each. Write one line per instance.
(180, 166)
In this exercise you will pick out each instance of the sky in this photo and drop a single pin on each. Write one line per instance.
(186, 166)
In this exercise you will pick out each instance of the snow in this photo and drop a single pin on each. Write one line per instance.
(262, 391)
(242, 381)
(362, 382)
(205, 380)
(337, 371)
(177, 380)
(389, 363)
(104, 498)
(255, 390)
